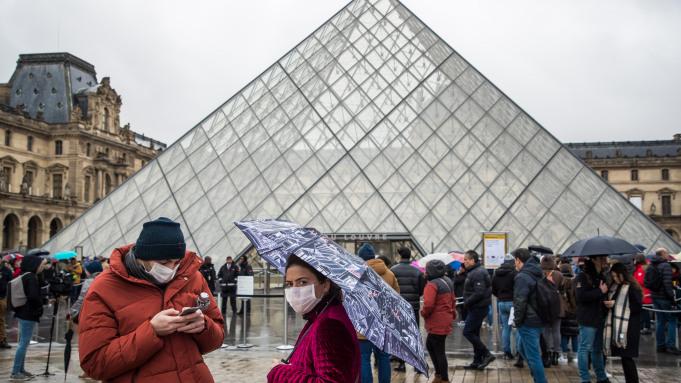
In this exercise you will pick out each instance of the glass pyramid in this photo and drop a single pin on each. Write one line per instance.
(372, 124)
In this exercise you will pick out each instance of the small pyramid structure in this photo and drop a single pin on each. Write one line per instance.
(372, 124)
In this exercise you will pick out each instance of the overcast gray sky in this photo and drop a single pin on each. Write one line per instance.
(586, 70)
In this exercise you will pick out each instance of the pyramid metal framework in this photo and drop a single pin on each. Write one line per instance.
(372, 124)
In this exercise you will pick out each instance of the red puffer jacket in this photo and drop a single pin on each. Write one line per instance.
(116, 340)
(639, 275)
(439, 303)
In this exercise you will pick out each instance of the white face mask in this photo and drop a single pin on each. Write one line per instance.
(162, 274)
(302, 299)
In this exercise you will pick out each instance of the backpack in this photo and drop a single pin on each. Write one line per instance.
(548, 301)
(17, 296)
(652, 280)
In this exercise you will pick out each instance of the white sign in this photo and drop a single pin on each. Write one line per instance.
(493, 249)
(244, 285)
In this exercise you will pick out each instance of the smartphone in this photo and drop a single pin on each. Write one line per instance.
(188, 310)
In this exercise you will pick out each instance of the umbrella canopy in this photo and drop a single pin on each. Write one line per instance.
(375, 309)
(38, 252)
(64, 255)
(446, 258)
(600, 245)
(676, 258)
(540, 249)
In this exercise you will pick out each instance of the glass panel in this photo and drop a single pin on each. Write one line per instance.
(269, 208)
(486, 130)
(132, 215)
(452, 131)
(394, 189)
(546, 187)
(469, 113)
(147, 176)
(379, 170)
(469, 149)
(221, 193)
(310, 172)
(233, 156)
(234, 210)
(612, 208)
(430, 233)
(565, 166)
(507, 188)
(202, 157)
(188, 194)
(277, 173)
(398, 151)
(486, 95)
(453, 97)
(523, 128)
(411, 210)
(193, 140)
(289, 191)
(414, 169)
(593, 225)
(504, 111)
(156, 194)
(180, 175)
(254, 193)
(343, 172)
(106, 236)
(435, 114)
(244, 174)
(354, 224)
(551, 232)
(358, 191)
(525, 167)
(417, 132)
(467, 232)
(211, 175)
(431, 189)
(488, 210)
(469, 80)
(374, 211)
(468, 189)
(543, 146)
(570, 209)
(487, 168)
(450, 168)
(337, 212)
(171, 157)
(265, 155)
(167, 208)
(198, 213)
(587, 186)
(224, 139)
(449, 210)
(527, 208)
(433, 150)
(516, 231)
(100, 213)
(123, 195)
(505, 148)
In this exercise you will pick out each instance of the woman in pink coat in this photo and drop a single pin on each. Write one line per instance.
(326, 350)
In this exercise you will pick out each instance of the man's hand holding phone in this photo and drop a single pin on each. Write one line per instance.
(193, 319)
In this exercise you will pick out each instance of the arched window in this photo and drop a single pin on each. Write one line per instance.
(86, 189)
(107, 184)
(29, 143)
(55, 226)
(107, 118)
(35, 232)
(10, 232)
(8, 137)
(58, 147)
(88, 149)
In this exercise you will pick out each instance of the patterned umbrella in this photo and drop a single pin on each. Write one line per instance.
(374, 308)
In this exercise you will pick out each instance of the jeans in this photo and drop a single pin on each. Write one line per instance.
(565, 342)
(471, 331)
(435, 344)
(366, 348)
(504, 312)
(665, 322)
(529, 349)
(490, 316)
(591, 343)
(25, 334)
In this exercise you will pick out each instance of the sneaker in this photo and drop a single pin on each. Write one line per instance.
(486, 361)
(519, 363)
(5, 345)
(472, 366)
(20, 377)
(562, 359)
(27, 374)
(508, 356)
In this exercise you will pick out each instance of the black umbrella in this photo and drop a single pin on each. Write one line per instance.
(540, 249)
(38, 252)
(600, 245)
(67, 349)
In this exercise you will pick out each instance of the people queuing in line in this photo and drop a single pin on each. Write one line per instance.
(227, 278)
(569, 328)
(640, 265)
(245, 270)
(477, 294)
(6, 272)
(368, 254)
(439, 312)
(551, 333)
(208, 271)
(411, 282)
(659, 280)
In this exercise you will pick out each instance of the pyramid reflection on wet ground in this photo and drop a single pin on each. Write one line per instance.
(372, 124)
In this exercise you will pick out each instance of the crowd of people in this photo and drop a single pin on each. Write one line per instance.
(551, 310)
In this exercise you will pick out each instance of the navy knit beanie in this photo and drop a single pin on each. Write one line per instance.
(366, 252)
(94, 267)
(160, 239)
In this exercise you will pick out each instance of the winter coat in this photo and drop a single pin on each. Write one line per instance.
(568, 319)
(477, 290)
(5, 277)
(590, 308)
(227, 277)
(639, 275)
(411, 282)
(502, 282)
(665, 269)
(116, 340)
(439, 303)
(382, 270)
(524, 296)
(459, 280)
(33, 309)
(326, 350)
(245, 269)
(208, 272)
(634, 329)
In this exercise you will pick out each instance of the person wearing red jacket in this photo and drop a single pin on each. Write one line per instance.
(131, 327)
(439, 312)
(639, 275)
(327, 350)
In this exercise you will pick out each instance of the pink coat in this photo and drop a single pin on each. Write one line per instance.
(327, 350)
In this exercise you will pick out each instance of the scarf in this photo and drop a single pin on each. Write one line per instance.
(617, 322)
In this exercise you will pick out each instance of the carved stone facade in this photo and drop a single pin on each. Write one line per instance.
(648, 173)
(62, 147)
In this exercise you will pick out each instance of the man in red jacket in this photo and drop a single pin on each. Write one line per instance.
(131, 324)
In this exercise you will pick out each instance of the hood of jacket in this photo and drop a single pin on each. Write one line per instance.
(532, 268)
(656, 260)
(378, 266)
(189, 265)
(506, 268)
(31, 263)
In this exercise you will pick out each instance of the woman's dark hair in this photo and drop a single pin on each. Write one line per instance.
(295, 260)
(640, 259)
(388, 262)
(207, 260)
(621, 270)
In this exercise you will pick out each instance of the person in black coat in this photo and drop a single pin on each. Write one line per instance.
(5, 277)
(29, 313)
(664, 299)
(208, 271)
(477, 296)
(502, 288)
(227, 279)
(630, 312)
(245, 270)
(412, 283)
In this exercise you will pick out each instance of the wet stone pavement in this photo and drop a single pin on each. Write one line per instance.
(264, 328)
